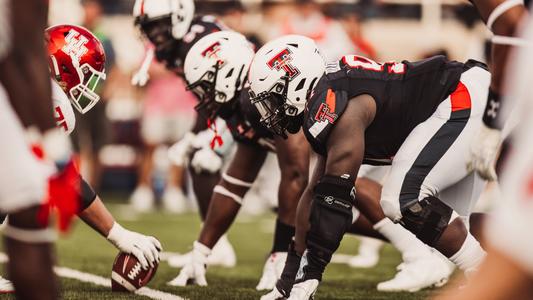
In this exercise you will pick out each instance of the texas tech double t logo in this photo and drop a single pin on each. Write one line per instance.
(282, 61)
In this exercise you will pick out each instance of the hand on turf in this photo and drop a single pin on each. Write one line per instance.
(206, 160)
(195, 269)
(145, 248)
(484, 152)
(180, 151)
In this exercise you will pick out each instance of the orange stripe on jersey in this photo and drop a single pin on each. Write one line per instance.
(460, 98)
(331, 100)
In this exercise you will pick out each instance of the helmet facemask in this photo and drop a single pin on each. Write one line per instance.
(276, 114)
(205, 89)
(159, 33)
(83, 96)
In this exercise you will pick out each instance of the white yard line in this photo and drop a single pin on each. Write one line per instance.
(103, 281)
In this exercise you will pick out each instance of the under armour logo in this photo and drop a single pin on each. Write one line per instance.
(329, 199)
(75, 45)
(282, 61)
(493, 110)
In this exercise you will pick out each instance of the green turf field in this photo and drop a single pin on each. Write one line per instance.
(85, 251)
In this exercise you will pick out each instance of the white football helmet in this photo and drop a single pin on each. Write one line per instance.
(282, 75)
(216, 68)
(178, 14)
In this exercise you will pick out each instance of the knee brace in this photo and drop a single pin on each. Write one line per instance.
(426, 219)
(331, 216)
(87, 195)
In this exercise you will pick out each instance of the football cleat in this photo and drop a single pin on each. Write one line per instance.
(273, 295)
(368, 256)
(174, 201)
(222, 255)
(142, 199)
(272, 271)
(417, 274)
(304, 290)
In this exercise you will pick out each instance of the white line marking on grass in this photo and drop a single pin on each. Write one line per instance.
(341, 258)
(102, 281)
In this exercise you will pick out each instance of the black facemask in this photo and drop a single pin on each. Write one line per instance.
(159, 33)
(273, 108)
(205, 91)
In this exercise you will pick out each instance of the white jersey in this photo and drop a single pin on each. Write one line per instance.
(63, 112)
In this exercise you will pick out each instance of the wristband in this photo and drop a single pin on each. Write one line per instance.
(492, 109)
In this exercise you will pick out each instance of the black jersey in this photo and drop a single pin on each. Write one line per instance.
(200, 27)
(406, 94)
(245, 126)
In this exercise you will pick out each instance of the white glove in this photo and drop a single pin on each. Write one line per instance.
(180, 151)
(195, 268)
(484, 151)
(145, 248)
(206, 160)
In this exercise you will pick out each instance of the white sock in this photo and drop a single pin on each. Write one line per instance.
(469, 256)
(406, 242)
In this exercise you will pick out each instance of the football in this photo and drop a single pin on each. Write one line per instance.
(128, 275)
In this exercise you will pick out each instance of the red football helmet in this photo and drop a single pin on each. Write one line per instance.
(76, 59)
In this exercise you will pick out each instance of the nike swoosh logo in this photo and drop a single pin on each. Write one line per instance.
(125, 264)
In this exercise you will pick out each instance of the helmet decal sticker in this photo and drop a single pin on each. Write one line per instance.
(75, 44)
(282, 61)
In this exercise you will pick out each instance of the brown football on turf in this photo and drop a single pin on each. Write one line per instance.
(128, 275)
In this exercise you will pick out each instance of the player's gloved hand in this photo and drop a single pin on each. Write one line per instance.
(180, 151)
(206, 160)
(145, 248)
(195, 269)
(484, 152)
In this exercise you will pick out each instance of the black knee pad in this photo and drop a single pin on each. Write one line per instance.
(331, 216)
(87, 195)
(426, 219)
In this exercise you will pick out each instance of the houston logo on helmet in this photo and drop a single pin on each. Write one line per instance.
(75, 44)
(282, 61)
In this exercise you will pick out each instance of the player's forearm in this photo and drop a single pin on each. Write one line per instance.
(98, 217)
(505, 25)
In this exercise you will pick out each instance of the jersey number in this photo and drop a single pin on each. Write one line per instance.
(359, 62)
(60, 119)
